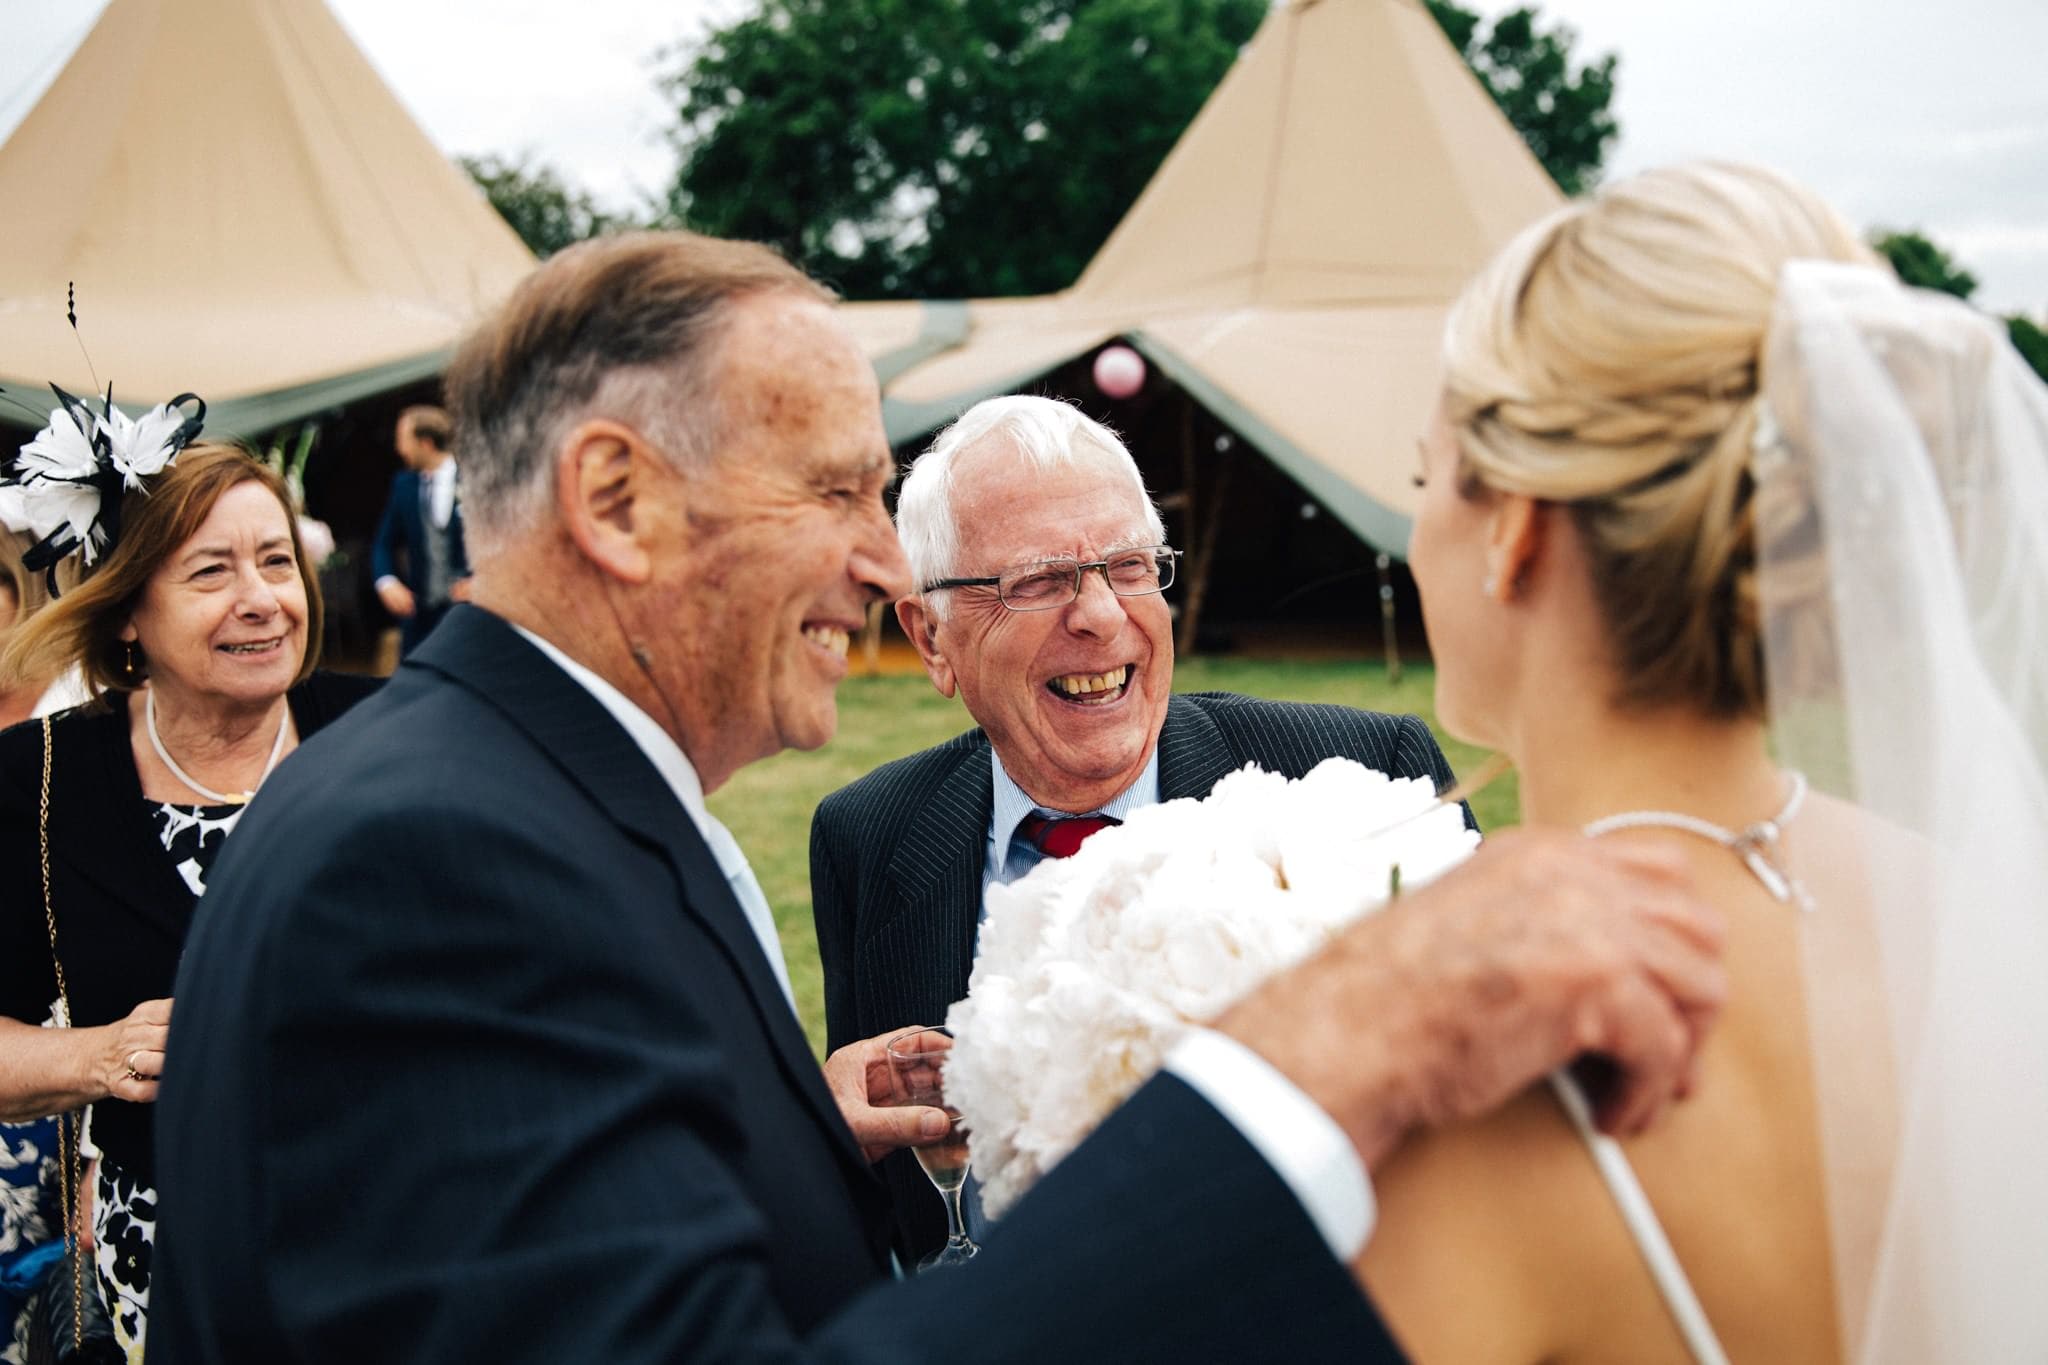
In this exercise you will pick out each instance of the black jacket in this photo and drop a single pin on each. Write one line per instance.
(121, 909)
(477, 1059)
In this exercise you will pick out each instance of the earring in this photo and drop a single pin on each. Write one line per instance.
(128, 666)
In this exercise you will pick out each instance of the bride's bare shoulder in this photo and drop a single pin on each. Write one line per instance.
(1508, 1213)
(1843, 850)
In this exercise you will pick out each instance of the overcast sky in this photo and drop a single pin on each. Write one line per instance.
(1904, 113)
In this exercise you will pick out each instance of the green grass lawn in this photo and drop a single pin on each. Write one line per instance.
(769, 805)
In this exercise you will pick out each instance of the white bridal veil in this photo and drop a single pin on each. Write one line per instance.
(1902, 502)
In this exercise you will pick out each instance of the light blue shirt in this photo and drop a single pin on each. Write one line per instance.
(1009, 857)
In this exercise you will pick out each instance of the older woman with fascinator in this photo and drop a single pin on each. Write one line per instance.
(196, 628)
(1735, 545)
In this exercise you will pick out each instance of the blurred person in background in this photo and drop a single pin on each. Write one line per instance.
(418, 556)
(22, 594)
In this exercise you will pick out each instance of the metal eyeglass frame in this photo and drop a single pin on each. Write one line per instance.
(1166, 553)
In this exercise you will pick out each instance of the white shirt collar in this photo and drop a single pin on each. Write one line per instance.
(676, 769)
(440, 485)
(660, 747)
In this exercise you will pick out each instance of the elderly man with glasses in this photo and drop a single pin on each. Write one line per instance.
(1040, 563)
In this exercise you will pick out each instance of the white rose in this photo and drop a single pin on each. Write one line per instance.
(1092, 967)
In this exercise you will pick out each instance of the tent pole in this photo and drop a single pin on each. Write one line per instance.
(1385, 562)
(1205, 523)
(871, 641)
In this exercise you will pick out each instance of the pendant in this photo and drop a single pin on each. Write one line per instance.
(1774, 881)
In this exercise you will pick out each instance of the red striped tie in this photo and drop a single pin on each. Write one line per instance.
(1061, 836)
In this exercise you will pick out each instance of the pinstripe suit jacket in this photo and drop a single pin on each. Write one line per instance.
(897, 861)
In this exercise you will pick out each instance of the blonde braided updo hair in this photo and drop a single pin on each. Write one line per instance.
(1608, 360)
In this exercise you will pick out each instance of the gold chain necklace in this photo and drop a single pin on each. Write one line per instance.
(71, 1145)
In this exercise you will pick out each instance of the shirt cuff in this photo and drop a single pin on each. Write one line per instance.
(1304, 1145)
(383, 579)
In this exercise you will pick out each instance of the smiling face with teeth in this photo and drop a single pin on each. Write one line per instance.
(1072, 698)
(223, 618)
(771, 555)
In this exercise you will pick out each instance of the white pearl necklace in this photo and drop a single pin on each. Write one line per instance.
(1755, 844)
(217, 798)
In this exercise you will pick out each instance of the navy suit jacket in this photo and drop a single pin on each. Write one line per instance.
(476, 1059)
(897, 861)
(400, 550)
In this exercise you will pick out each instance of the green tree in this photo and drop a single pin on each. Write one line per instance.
(1923, 264)
(913, 148)
(546, 212)
(2030, 341)
(948, 148)
(1561, 109)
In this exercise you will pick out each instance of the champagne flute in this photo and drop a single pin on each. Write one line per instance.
(917, 1064)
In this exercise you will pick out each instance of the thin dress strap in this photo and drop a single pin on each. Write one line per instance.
(1754, 846)
(1662, 1261)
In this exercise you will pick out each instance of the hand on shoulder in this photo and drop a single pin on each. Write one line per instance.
(1543, 947)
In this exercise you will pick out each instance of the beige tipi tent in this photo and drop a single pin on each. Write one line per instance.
(248, 214)
(1289, 265)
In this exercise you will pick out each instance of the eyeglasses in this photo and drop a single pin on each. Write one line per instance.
(1049, 583)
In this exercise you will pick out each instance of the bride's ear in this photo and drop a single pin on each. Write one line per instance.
(1514, 543)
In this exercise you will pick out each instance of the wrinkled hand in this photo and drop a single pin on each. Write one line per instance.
(397, 599)
(858, 1076)
(134, 1045)
(1543, 947)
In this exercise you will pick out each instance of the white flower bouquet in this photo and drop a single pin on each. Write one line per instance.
(1092, 967)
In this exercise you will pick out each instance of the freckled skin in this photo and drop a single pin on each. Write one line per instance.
(785, 530)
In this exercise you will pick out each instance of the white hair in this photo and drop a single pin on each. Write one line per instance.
(1044, 433)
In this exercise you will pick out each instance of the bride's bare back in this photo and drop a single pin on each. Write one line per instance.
(1497, 1240)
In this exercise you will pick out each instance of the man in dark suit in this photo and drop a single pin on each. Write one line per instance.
(483, 1050)
(418, 555)
(1069, 673)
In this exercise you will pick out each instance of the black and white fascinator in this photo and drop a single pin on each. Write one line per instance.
(64, 487)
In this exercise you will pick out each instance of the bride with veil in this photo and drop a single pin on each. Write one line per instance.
(1731, 542)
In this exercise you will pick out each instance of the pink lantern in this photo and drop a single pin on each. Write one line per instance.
(1119, 371)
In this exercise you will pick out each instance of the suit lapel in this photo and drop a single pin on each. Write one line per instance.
(458, 564)
(407, 491)
(935, 880)
(484, 654)
(1192, 754)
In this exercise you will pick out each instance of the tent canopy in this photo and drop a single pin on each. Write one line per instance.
(248, 214)
(1289, 265)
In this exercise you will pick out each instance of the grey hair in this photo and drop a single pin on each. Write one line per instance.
(627, 327)
(674, 405)
(1045, 433)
